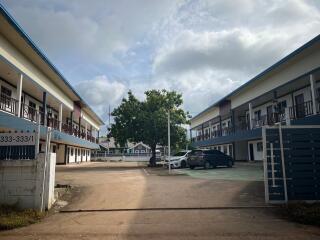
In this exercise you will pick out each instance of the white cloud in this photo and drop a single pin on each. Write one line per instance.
(208, 54)
(202, 48)
(92, 30)
(100, 92)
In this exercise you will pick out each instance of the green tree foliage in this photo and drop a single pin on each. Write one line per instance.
(146, 121)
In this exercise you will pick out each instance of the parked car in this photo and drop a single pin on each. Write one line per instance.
(178, 160)
(209, 159)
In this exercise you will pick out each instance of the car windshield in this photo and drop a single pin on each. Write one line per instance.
(213, 152)
(178, 154)
(196, 152)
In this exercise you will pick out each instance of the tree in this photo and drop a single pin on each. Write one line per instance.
(146, 121)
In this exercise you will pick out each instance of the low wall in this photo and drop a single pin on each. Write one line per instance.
(122, 158)
(21, 182)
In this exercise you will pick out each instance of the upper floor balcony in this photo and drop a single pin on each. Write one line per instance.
(275, 115)
(10, 105)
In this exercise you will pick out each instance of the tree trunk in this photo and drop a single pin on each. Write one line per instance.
(152, 161)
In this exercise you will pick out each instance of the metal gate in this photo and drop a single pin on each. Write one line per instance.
(291, 163)
(17, 145)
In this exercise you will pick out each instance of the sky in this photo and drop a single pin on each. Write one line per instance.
(203, 49)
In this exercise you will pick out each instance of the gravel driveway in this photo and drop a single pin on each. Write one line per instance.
(235, 208)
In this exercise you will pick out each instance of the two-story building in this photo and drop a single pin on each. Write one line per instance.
(287, 93)
(33, 91)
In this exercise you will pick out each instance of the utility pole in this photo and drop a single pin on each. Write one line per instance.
(169, 148)
(109, 114)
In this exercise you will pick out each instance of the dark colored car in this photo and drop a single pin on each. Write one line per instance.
(209, 159)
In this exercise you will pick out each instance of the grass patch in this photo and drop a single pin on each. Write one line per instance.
(305, 213)
(11, 217)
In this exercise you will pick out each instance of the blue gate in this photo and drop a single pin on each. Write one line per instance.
(291, 163)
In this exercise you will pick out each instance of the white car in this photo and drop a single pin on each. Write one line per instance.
(178, 160)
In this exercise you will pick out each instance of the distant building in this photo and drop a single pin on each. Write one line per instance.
(139, 148)
(108, 144)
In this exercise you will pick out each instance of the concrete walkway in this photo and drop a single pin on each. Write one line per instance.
(104, 187)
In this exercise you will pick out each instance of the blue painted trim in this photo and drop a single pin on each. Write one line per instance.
(271, 68)
(244, 135)
(309, 120)
(19, 124)
(40, 53)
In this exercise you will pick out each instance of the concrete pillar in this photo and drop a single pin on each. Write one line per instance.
(287, 115)
(19, 95)
(233, 121)
(202, 132)
(313, 94)
(71, 124)
(44, 107)
(86, 130)
(91, 133)
(79, 127)
(250, 116)
(220, 124)
(60, 117)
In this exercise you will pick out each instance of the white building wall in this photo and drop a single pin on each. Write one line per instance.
(61, 153)
(32, 71)
(78, 155)
(88, 155)
(211, 113)
(21, 182)
(271, 81)
(71, 154)
(258, 154)
(11, 54)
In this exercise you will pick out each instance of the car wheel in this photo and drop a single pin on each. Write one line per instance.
(191, 167)
(207, 165)
(229, 164)
(183, 164)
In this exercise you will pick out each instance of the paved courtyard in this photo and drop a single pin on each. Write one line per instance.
(242, 171)
(110, 202)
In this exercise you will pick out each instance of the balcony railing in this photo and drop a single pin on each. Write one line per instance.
(301, 110)
(30, 113)
(226, 131)
(8, 104)
(53, 122)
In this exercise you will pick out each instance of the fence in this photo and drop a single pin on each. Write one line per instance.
(14, 146)
(133, 157)
(291, 163)
(106, 154)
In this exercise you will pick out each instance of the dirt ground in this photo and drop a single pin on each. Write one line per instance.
(122, 201)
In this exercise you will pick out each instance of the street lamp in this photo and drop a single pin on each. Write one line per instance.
(169, 148)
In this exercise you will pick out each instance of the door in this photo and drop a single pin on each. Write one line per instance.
(269, 115)
(251, 152)
(300, 111)
(230, 150)
(32, 111)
